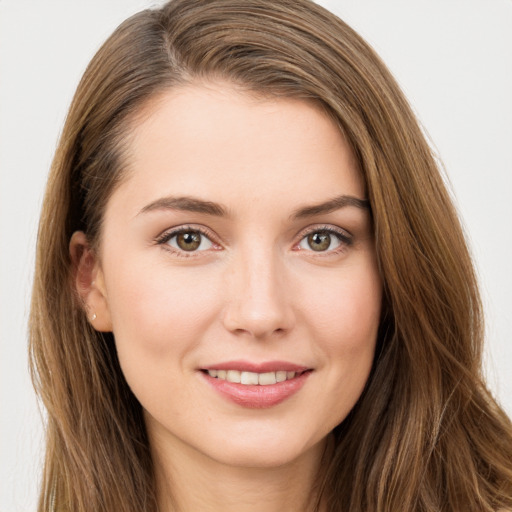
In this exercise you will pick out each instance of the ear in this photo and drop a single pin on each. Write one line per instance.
(89, 282)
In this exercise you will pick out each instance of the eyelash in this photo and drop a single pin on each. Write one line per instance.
(343, 237)
(165, 237)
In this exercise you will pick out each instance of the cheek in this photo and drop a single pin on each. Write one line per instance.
(342, 312)
(159, 317)
(351, 325)
(345, 312)
(157, 310)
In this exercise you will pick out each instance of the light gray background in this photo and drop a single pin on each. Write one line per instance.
(453, 59)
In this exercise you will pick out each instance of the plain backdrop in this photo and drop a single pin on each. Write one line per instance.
(453, 60)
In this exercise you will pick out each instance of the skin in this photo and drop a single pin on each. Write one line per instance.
(255, 291)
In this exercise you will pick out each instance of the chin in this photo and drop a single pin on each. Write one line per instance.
(264, 453)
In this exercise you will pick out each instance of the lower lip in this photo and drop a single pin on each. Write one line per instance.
(258, 397)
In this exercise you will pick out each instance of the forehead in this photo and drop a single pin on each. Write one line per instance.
(218, 143)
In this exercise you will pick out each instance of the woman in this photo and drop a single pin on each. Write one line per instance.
(252, 291)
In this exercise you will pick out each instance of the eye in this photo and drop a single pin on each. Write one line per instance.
(324, 240)
(187, 240)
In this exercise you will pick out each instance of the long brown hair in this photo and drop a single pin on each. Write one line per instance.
(425, 435)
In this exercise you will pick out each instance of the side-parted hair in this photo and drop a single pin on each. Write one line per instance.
(425, 435)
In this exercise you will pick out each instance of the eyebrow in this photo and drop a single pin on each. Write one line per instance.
(330, 206)
(192, 204)
(187, 204)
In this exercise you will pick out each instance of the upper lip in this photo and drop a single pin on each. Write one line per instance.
(263, 367)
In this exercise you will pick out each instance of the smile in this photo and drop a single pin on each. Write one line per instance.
(256, 386)
(252, 378)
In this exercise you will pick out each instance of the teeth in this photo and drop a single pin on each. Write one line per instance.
(249, 378)
(267, 378)
(252, 378)
(233, 376)
(280, 376)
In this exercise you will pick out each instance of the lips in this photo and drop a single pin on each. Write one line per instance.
(252, 378)
(256, 385)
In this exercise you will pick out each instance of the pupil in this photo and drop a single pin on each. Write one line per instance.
(319, 241)
(189, 241)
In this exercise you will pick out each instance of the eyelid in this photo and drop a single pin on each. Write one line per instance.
(169, 233)
(343, 235)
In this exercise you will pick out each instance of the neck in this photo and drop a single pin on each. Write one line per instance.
(188, 480)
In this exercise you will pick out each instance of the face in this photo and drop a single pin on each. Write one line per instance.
(239, 248)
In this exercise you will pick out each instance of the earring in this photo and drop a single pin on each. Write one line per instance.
(93, 317)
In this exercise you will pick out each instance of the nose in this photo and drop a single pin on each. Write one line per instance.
(258, 303)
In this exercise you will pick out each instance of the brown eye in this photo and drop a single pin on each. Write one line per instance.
(189, 241)
(324, 240)
(319, 241)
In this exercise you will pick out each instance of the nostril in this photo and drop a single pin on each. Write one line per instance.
(258, 314)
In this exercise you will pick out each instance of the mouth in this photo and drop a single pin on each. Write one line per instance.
(256, 386)
(253, 378)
